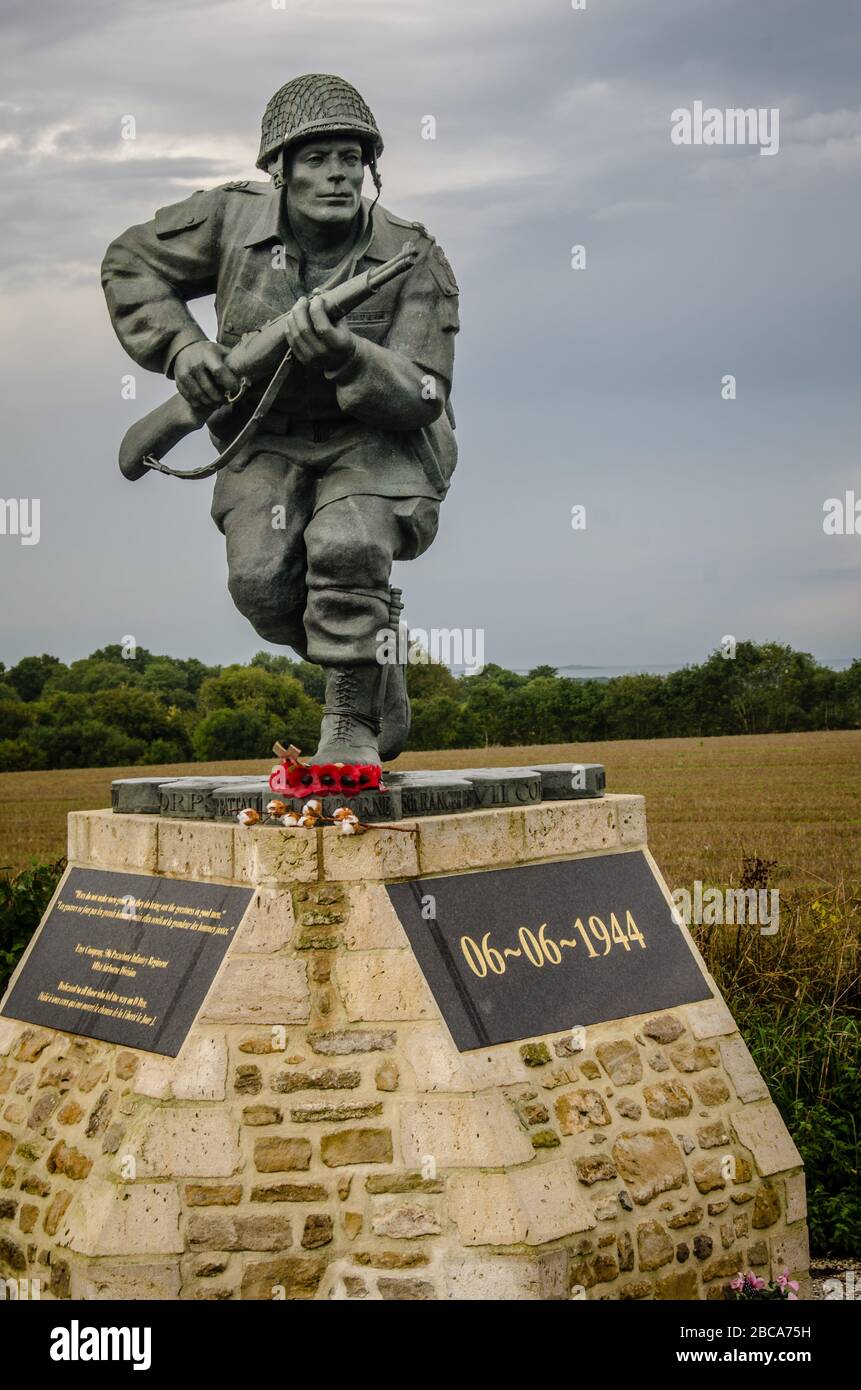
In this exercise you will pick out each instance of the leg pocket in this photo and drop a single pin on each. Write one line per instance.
(418, 522)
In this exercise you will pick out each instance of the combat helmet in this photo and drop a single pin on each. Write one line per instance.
(317, 104)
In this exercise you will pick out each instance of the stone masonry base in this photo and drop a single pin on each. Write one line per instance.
(319, 1136)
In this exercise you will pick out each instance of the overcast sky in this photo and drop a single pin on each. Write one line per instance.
(599, 387)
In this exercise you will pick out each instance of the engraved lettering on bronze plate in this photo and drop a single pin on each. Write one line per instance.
(127, 958)
(516, 953)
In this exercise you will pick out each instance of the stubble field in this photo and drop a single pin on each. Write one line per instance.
(791, 798)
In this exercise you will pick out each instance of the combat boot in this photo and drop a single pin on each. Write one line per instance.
(350, 730)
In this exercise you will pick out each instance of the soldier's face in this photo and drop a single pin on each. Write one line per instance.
(325, 180)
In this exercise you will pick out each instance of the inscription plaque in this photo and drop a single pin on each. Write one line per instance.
(516, 953)
(127, 958)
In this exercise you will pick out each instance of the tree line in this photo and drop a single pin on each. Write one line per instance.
(109, 711)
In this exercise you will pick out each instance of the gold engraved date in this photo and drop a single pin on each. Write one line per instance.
(540, 949)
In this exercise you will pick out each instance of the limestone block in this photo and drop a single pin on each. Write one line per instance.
(280, 1155)
(195, 849)
(199, 1072)
(579, 1110)
(555, 829)
(378, 854)
(9, 1029)
(151, 1282)
(663, 1028)
(649, 1162)
(372, 923)
(438, 1066)
(551, 1202)
(267, 855)
(485, 1209)
(259, 990)
(489, 1278)
(383, 986)
(122, 842)
(268, 925)
(678, 1287)
(762, 1130)
(621, 1061)
(347, 1041)
(668, 1100)
(135, 1219)
(790, 1250)
(201, 1068)
(349, 1146)
(153, 1076)
(742, 1070)
(654, 1247)
(631, 819)
(473, 841)
(477, 1132)
(406, 1220)
(282, 1278)
(796, 1198)
(238, 1231)
(181, 1141)
(78, 837)
(710, 1019)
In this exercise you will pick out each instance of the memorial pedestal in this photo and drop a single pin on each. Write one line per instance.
(319, 1135)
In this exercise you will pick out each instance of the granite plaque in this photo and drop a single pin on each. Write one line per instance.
(517, 953)
(127, 958)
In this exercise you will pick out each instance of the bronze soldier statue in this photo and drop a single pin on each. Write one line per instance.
(342, 465)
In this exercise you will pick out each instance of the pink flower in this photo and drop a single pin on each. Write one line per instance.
(737, 1283)
(789, 1286)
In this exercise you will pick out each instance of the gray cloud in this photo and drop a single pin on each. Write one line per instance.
(599, 387)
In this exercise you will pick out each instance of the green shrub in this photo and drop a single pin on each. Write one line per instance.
(811, 1061)
(23, 899)
(796, 997)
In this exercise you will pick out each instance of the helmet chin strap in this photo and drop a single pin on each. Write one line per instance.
(375, 175)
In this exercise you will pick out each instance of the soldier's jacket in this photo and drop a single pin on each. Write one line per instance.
(233, 242)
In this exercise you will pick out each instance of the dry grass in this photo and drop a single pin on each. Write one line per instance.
(793, 798)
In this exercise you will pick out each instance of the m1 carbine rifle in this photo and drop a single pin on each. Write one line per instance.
(255, 356)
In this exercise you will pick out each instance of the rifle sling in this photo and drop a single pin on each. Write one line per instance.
(245, 435)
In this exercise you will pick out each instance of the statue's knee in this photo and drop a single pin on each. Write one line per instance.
(347, 558)
(273, 608)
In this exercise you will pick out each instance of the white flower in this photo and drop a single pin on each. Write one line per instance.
(290, 820)
(248, 816)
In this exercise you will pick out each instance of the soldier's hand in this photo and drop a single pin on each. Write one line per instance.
(315, 340)
(202, 376)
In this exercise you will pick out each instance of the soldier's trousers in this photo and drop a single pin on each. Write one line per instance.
(309, 576)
